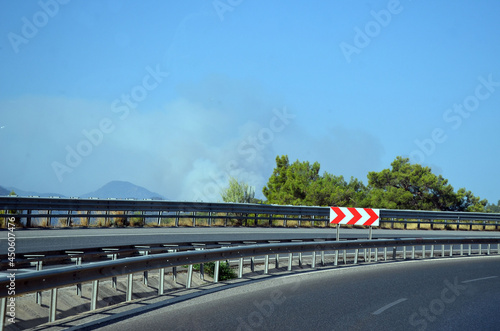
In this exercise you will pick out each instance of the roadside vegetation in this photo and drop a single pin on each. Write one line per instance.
(403, 186)
(225, 270)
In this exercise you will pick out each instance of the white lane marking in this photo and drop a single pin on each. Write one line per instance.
(384, 308)
(478, 279)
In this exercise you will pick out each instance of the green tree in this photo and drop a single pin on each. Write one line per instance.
(300, 183)
(492, 208)
(412, 186)
(330, 190)
(289, 183)
(238, 192)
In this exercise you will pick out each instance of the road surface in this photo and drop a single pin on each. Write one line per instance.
(447, 294)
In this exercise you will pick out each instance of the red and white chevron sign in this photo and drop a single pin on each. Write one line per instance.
(358, 216)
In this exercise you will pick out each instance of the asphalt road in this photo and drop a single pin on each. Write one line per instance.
(38, 240)
(447, 294)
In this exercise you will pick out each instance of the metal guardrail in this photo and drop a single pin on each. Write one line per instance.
(93, 254)
(157, 209)
(73, 275)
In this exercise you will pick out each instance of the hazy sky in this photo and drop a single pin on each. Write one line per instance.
(176, 96)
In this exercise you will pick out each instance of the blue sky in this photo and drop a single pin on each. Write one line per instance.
(176, 96)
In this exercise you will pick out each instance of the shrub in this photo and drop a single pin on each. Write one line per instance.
(137, 221)
(9, 214)
(225, 271)
(119, 221)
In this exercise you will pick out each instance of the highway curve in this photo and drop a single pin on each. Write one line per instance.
(446, 294)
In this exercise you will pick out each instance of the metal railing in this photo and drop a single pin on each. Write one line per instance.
(73, 275)
(70, 208)
(93, 254)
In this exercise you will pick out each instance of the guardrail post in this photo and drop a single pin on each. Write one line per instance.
(413, 252)
(336, 258)
(95, 294)
(442, 250)
(394, 253)
(370, 237)
(87, 217)
(252, 259)
(432, 251)
(216, 271)
(404, 252)
(177, 213)
(201, 247)
(113, 256)
(240, 268)
(145, 278)
(376, 254)
(189, 276)
(277, 261)
(266, 265)
(461, 249)
(356, 251)
(194, 219)
(488, 251)
(470, 249)
(130, 286)
(423, 251)
(300, 253)
(49, 218)
(451, 250)
(79, 285)
(39, 266)
(480, 250)
(345, 256)
(313, 263)
(174, 269)
(28, 220)
(159, 218)
(385, 253)
(161, 281)
(323, 258)
(53, 305)
(290, 261)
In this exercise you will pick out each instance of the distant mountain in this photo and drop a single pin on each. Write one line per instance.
(4, 191)
(114, 189)
(23, 193)
(122, 190)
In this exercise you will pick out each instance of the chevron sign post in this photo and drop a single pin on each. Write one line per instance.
(358, 216)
